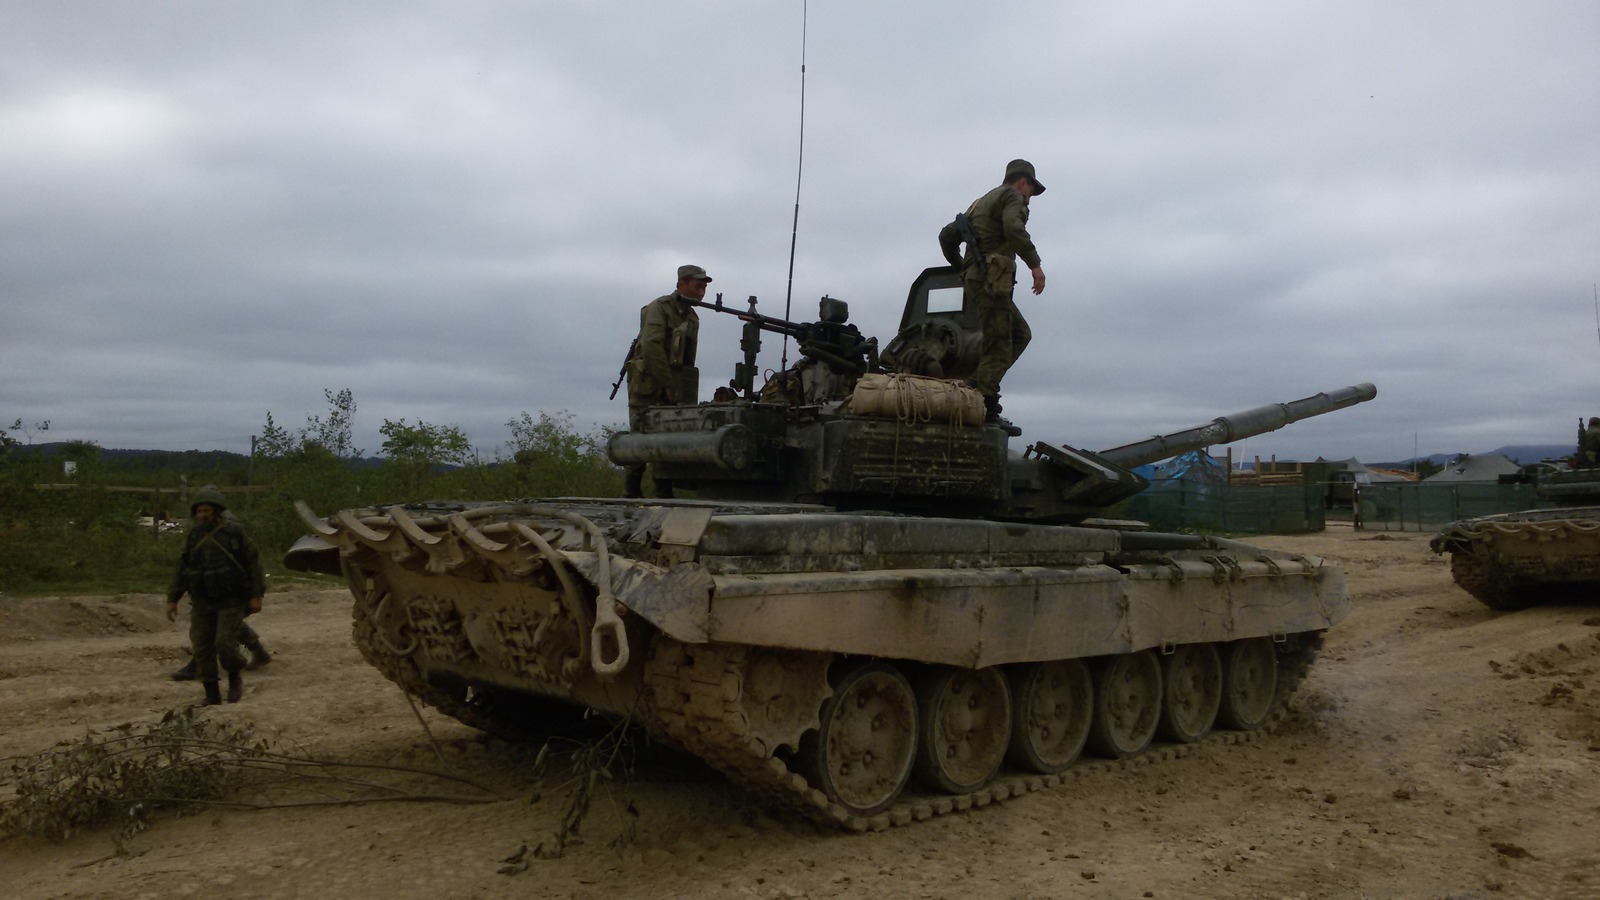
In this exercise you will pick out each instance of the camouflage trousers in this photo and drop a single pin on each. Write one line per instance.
(633, 476)
(214, 627)
(1004, 333)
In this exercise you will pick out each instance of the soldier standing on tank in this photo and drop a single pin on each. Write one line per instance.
(1589, 444)
(220, 569)
(998, 221)
(662, 365)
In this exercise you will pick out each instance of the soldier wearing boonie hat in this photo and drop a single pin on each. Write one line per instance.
(999, 221)
(662, 368)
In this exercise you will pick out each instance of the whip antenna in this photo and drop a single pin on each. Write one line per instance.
(794, 234)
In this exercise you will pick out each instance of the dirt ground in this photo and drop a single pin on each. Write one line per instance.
(1437, 750)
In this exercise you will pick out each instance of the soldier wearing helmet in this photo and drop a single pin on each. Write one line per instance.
(220, 570)
(998, 221)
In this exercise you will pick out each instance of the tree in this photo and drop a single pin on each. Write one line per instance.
(276, 442)
(7, 441)
(333, 433)
(553, 437)
(413, 451)
(552, 458)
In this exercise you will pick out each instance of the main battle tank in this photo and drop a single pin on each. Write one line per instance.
(1515, 560)
(867, 619)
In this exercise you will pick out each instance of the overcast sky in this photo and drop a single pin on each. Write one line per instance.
(212, 211)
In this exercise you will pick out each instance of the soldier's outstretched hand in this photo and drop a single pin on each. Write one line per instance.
(1038, 279)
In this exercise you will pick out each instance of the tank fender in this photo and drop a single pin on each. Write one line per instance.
(313, 553)
(675, 599)
(979, 617)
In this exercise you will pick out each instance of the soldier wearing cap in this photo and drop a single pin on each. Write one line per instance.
(662, 370)
(999, 220)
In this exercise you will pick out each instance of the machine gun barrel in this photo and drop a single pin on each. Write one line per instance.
(766, 323)
(1227, 429)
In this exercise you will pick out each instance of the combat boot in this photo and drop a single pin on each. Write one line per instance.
(235, 687)
(991, 407)
(189, 672)
(258, 656)
(213, 694)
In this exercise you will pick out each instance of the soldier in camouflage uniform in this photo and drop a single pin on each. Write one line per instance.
(247, 636)
(662, 368)
(999, 220)
(221, 571)
(1589, 444)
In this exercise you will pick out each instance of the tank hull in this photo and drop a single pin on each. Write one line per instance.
(1516, 560)
(753, 635)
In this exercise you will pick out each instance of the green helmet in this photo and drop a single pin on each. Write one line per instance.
(210, 495)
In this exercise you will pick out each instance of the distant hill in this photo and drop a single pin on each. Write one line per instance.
(1521, 454)
(158, 460)
(1532, 453)
(170, 460)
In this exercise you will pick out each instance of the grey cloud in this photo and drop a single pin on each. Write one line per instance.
(457, 213)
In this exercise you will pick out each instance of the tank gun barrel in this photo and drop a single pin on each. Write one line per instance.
(1227, 429)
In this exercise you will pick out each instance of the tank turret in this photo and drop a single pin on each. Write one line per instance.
(805, 442)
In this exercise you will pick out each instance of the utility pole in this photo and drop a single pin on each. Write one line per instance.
(250, 467)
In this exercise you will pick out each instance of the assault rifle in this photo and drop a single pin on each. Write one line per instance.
(633, 350)
(963, 226)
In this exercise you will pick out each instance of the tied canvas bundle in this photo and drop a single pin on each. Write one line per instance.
(915, 398)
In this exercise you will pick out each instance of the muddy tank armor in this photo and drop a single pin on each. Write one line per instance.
(869, 620)
(1515, 560)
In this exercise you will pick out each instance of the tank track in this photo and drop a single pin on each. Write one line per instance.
(1548, 549)
(697, 702)
(1473, 575)
(697, 693)
(401, 671)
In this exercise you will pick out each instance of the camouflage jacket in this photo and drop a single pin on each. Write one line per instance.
(669, 334)
(1000, 220)
(219, 562)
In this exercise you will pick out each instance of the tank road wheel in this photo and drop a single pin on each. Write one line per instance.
(1249, 683)
(860, 755)
(1192, 687)
(965, 724)
(1052, 704)
(1127, 704)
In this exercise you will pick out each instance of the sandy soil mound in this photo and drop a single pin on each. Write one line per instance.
(39, 618)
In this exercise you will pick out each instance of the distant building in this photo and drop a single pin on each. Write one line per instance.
(1344, 475)
(1480, 469)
